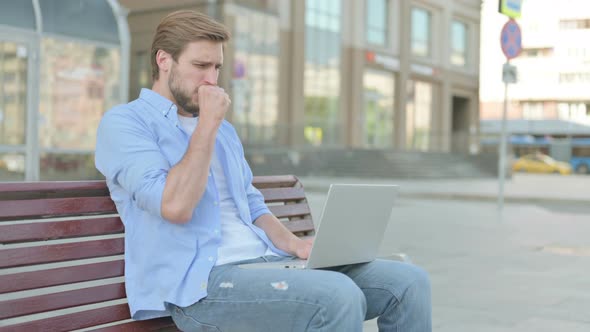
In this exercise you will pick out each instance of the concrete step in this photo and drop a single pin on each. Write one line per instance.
(371, 163)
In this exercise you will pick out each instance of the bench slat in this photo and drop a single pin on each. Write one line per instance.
(73, 321)
(52, 186)
(55, 207)
(52, 189)
(291, 210)
(296, 226)
(61, 300)
(60, 252)
(259, 181)
(60, 229)
(158, 324)
(282, 194)
(60, 276)
(274, 181)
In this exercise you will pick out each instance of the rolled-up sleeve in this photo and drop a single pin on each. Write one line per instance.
(256, 203)
(127, 154)
(255, 198)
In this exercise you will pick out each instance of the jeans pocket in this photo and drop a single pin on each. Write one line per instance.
(188, 323)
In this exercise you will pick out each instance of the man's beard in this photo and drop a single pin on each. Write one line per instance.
(183, 100)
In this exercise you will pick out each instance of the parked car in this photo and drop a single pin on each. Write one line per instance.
(581, 164)
(541, 163)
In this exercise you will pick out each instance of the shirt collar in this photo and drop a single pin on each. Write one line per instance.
(159, 102)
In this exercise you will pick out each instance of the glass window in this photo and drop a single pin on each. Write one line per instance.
(13, 93)
(86, 19)
(56, 166)
(572, 111)
(12, 167)
(379, 87)
(143, 71)
(376, 19)
(458, 43)
(573, 24)
(418, 115)
(17, 14)
(79, 82)
(421, 32)
(536, 52)
(255, 81)
(322, 72)
(532, 111)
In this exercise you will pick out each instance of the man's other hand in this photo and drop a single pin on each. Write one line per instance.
(302, 247)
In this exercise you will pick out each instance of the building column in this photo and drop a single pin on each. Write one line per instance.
(445, 112)
(404, 74)
(291, 72)
(351, 72)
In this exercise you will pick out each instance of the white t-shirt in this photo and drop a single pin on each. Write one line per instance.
(238, 241)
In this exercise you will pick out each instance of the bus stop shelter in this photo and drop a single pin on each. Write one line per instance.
(63, 63)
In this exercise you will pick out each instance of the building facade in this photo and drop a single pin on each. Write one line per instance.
(376, 74)
(549, 106)
(302, 74)
(553, 68)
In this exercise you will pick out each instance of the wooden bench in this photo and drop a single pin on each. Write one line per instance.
(61, 254)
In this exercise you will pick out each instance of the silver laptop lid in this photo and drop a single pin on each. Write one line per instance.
(352, 224)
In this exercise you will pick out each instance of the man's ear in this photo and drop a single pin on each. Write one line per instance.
(164, 61)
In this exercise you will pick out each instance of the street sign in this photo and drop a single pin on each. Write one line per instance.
(510, 8)
(510, 39)
(509, 73)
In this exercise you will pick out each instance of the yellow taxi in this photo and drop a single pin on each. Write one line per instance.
(541, 163)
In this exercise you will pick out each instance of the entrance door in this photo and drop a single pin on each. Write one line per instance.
(377, 115)
(17, 94)
(460, 124)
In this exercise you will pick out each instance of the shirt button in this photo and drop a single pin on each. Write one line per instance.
(204, 285)
(210, 258)
(216, 203)
(216, 231)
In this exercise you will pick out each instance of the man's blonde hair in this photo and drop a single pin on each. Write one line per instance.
(180, 28)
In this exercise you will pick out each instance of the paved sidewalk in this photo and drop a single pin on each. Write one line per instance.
(523, 270)
(522, 188)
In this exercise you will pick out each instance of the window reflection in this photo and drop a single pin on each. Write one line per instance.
(79, 82)
(458, 43)
(378, 110)
(255, 76)
(421, 21)
(322, 72)
(12, 167)
(13, 88)
(418, 115)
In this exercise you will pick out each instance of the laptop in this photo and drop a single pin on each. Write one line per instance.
(350, 230)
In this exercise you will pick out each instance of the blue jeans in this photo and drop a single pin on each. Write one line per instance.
(331, 299)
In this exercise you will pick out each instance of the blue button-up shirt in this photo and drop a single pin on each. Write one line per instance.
(137, 144)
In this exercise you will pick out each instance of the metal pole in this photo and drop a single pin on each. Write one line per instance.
(502, 152)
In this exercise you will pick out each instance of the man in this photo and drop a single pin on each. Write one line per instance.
(176, 171)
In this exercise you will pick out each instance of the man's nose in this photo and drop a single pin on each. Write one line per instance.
(211, 76)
